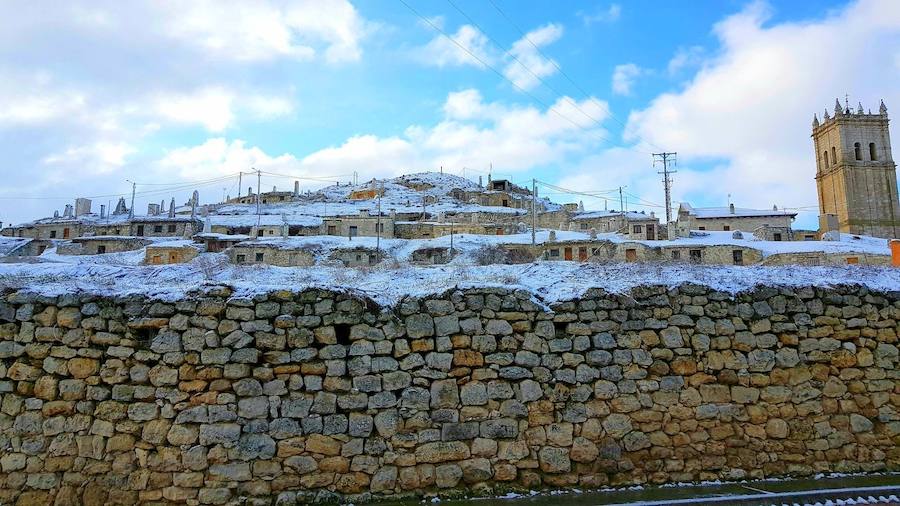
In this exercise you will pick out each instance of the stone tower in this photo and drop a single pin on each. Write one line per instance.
(856, 177)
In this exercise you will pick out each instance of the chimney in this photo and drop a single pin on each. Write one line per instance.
(56, 214)
(274, 189)
(82, 206)
(172, 208)
(364, 213)
(249, 191)
(775, 207)
(479, 182)
(731, 208)
(152, 209)
(68, 212)
(103, 211)
(296, 188)
(162, 206)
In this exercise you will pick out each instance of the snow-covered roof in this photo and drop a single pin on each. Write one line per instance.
(631, 215)
(107, 238)
(221, 237)
(267, 220)
(8, 244)
(729, 212)
(174, 243)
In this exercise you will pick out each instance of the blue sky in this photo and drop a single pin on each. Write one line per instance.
(96, 93)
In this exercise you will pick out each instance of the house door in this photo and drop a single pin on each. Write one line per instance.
(650, 236)
(567, 254)
(582, 254)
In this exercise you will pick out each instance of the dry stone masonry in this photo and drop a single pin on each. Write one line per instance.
(294, 397)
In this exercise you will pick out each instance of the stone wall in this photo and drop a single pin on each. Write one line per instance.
(217, 399)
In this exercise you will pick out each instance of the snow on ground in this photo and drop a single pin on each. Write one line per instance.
(388, 283)
(847, 244)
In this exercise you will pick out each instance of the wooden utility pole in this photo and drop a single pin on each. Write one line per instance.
(133, 188)
(378, 225)
(668, 160)
(533, 210)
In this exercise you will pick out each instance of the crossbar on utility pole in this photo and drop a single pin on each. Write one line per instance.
(668, 160)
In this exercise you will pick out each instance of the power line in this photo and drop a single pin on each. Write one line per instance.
(527, 69)
(502, 76)
(558, 68)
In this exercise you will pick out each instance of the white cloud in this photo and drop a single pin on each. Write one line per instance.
(749, 108)
(608, 14)
(624, 76)
(442, 52)
(100, 157)
(472, 134)
(685, 57)
(531, 66)
(218, 157)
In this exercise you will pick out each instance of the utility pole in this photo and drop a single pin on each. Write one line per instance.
(240, 176)
(533, 210)
(378, 226)
(668, 160)
(621, 202)
(133, 188)
(258, 193)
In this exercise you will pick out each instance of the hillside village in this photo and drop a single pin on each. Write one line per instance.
(425, 219)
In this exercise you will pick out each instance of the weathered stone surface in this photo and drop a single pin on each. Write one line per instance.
(288, 397)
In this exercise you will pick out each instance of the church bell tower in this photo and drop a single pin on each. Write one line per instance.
(856, 177)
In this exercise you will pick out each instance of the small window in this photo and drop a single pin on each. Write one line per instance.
(584, 226)
(872, 154)
(857, 151)
(171, 229)
(776, 236)
(372, 259)
(354, 231)
(833, 156)
(702, 228)
(260, 232)
(380, 228)
(157, 229)
(696, 255)
(824, 158)
(554, 253)
(726, 228)
(358, 257)
(505, 203)
(53, 234)
(241, 258)
(636, 229)
(101, 249)
(676, 254)
(332, 230)
(259, 257)
(737, 256)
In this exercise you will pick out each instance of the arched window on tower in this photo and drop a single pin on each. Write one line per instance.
(872, 155)
(825, 158)
(857, 149)
(833, 156)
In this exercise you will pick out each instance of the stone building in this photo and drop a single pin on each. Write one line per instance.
(100, 244)
(734, 218)
(633, 225)
(170, 252)
(164, 226)
(270, 252)
(856, 177)
(362, 225)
